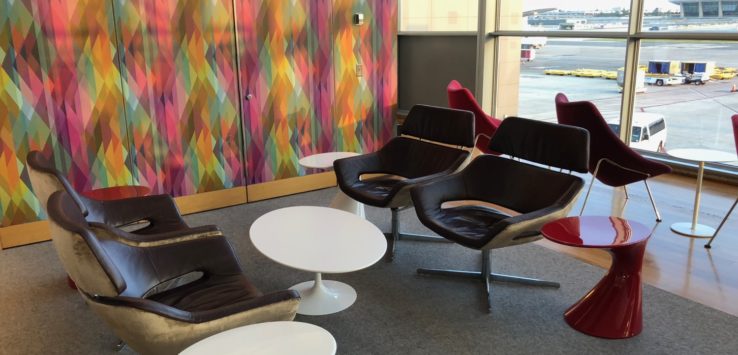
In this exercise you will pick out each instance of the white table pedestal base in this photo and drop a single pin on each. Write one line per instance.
(324, 297)
(342, 202)
(699, 231)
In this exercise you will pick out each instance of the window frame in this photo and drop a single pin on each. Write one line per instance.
(488, 62)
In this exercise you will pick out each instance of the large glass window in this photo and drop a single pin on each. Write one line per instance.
(695, 99)
(691, 9)
(685, 78)
(690, 16)
(438, 15)
(583, 69)
(576, 15)
(730, 8)
(710, 9)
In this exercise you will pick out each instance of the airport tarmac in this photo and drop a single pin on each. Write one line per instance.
(696, 116)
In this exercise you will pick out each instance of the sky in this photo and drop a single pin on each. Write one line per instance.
(595, 4)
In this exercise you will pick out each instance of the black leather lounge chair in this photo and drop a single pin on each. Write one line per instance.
(410, 159)
(510, 199)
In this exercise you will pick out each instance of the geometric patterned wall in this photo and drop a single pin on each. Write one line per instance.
(299, 64)
(141, 91)
(59, 92)
(181, 93)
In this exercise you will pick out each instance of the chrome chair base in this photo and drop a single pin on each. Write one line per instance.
(488, 277)
(396, 235)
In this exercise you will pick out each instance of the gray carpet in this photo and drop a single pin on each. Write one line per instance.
(397, 311)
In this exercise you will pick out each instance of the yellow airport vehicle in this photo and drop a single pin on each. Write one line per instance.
(609, 75)
(587, 73)
(556, 72)
(723, 75)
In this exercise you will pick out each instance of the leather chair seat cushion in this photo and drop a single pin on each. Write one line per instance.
(208, 293)
(471, 224)
(407, 161)
(378, 189)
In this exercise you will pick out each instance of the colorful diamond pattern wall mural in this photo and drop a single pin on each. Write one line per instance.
(276, 74)
(59, 93)
(316, 81)
(181, 94)
(157, 92)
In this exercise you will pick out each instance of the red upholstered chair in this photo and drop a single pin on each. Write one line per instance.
(734, 119)
(485, 125)
(610, 160)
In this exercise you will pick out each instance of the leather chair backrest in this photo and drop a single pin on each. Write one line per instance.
(604, 142)
(103, 264)
(461, 98)
(551, 144)
(46, 180)
(83, 255)
(440, 124)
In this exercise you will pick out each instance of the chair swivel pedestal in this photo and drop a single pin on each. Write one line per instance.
(395, 235)
(487, 276)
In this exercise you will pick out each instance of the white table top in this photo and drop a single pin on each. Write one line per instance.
(701, 154)
(324, 160)
(318, 239)
(271, 338)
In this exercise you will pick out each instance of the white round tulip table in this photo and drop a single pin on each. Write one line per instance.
(325, 161)
(320, 240)
(270, 338)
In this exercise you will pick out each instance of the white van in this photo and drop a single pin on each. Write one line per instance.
(649, 131)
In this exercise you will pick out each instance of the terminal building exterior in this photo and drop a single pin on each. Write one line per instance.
(699, 8)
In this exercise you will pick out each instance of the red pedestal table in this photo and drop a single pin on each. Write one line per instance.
(117, 192)
(612, 309)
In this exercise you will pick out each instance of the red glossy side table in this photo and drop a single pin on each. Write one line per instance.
(112, 193)
(612, 309)
(117, 192)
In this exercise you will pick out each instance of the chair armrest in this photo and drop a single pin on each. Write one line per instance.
(634, 162)
(609, 161)
(213, 255)
(519, 229)
(154, 208)
(436, 176)
(349, 170)
(200, 316)
(429, 196)
(145, 240)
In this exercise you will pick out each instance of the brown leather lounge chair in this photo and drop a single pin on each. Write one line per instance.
(117, 280)
(414, 157)
(165, 224)
(517, 197)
